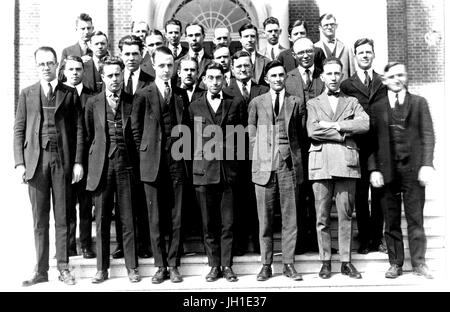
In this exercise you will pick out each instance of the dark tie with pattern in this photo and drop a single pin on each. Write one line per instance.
(308, 79)
(245, 93)
(366, 79)
(175, 51)
(196, 57)
(166, 92)
(50, 92)
(129, 88)
(277, 104)
(397, 102)
(272, 53)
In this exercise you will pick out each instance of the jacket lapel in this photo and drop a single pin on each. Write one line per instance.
(267, 103)
(155, 101)
(204, 108)
(100, 107)
(226, 104)
(376, 84)
(35, 96)
(339, 48)
(288, 109)
(259, 65)
(358, 84)
(60, 96)
(324, 104)
(340, 108)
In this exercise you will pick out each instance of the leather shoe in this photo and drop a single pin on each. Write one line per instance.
(133, 275)
(175, 276)
(66, 277)
(325, 270)
(422, 270)
(265, 273)
(229, 275)
(348, 269)
(160, 275)
(144, 253)
(363, 249)
(394, 271)
(381, 248)
(214, 274)
(100, 277)
(88, 253)
(36, 279)
(289, 271)
(118, 253)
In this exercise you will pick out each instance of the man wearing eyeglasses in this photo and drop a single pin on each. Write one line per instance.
(304, 82)
(332, 46)
(48, 155)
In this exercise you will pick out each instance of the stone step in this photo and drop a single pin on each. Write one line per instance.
(197, 264)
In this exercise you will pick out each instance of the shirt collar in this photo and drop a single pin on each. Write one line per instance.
(392, 97)
(162, 85)
(360, 73)
(135, 76)
(44, 84)
(109, 93)
(273, 94)
(208, 94)
(200, 53)
(302, 69)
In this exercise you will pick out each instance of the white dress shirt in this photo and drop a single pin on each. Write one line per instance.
(333, 100)
(161, 85)
(302, 71)
(248, 86)
(214, 103)
(273, 94)
(172, 47)
(134, 78)
(362, 76)
(392, 97)
(44, 84)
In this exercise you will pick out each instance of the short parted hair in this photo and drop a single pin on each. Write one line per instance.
(154, 32)
(110, 60)
(83, 17)
(246, 26)
(74, 58)
(332, 60)
(240, 54)
(390, 65)
(139, 22)
(131, 40)
(326, 16)
(194, 24)
(273, 64)
(296, 23)
(271, 20)
(362, 41)
(173, 22)
(215, 65)
(163, 50)
(219, 46)
(98, 33)
(186, 59)
(46, 49)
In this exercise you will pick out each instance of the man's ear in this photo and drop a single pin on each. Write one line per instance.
(321, 77)
(204, 79)
(384, 80)
(266, 80)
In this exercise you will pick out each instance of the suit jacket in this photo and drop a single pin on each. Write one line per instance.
(290, 63)
(259, 69)
(420, 133)
(344, 54)
(296, 86)
(28, 125)
(96, 128)
(147, 65)
(144, 80)
(353, 86)
(184, 51)
(260, 121)
(209, 171)
(265, 52)
(89, 77)
(147, 128)
(335, 153)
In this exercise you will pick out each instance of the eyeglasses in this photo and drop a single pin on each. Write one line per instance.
(48, 64)
(332, 25)
(301, 53)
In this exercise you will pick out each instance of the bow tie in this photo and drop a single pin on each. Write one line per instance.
(332, 93)
(332, 41)
(215, 96)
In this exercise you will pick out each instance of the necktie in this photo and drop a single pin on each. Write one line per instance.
(366, 79)
(166, 92)
(215, 96)
(175, 51)
(331, 41)
(277, 104)
(397, 102)
(129, 88)
(114, 98)
(332, 93)
(196, 57)
(50, 92)
(308, 79)
(272, 53)
(245, 93)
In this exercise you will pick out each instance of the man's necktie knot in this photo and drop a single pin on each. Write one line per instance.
(333, 93)
(215, 96)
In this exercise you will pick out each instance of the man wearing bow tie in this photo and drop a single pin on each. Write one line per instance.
(333, 120)
(112, 155)
(332, 46)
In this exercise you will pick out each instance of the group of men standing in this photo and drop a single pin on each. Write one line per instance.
(282, 130)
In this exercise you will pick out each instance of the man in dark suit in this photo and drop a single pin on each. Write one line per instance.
(73, 71)
(173, 31)
(276, 122)
(111, 160)
(153, 40)
(135, 78)
(333, 119)
(48, 155)
(305, 82)
(249, 36)
(92, 79)
(299, 29)
(246, 216)
(157, 109)
(214, 172)
(401, 166)
(366, 86)
(84, 29)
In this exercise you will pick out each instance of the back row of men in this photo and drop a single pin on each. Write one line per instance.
(154, 125)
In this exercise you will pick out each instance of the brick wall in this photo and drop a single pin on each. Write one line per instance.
(409, 21)
(119, 22)
(309, 11)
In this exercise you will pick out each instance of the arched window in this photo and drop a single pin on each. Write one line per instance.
(212, 14)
